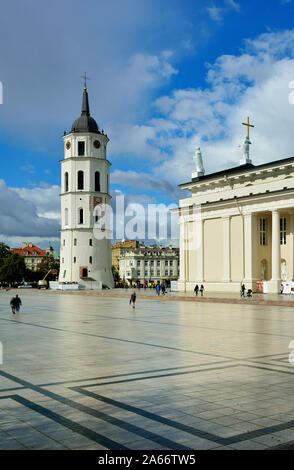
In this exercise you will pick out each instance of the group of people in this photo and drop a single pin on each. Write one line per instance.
(198, 289)
(15, 304)
(160, 288)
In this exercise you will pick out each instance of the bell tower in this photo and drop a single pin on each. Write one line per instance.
(84, 258)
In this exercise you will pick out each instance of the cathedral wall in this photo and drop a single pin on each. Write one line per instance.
(264, 252)
(213, 250)
(192, 274)
(237, 243)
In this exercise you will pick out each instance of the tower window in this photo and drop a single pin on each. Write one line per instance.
(75, 242)
(90, 241)
(63, 242)
(66, 181)
(80, 179)
(81, 149)
(97, 181)
(66, 216)
(81, 216)
(90, 259)
(75, 259)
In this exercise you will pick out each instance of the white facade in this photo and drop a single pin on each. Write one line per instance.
(237, 227)
(149, 264)
(84, 259)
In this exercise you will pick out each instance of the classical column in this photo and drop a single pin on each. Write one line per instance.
(182, 251)
(250, 244)
(199, 226)
(227, 248)
(276, 248)
(291, 268)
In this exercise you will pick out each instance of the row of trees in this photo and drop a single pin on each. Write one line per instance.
(13, 269)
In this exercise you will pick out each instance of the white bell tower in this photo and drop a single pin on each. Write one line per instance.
(84, 259)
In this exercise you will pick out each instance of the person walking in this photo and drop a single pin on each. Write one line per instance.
(12, 304)
(15, 304)
(133, 299)
(243, 290)
(158, 288)
(201, 290)
(196, 290)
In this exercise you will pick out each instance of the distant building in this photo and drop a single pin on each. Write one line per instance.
(33, 255)
(150, 264)
(119, 248)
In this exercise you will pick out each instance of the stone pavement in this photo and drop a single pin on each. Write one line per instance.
(88, 372)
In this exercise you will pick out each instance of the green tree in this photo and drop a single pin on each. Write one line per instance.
(13, 269)
(48, 264)
(4, 252)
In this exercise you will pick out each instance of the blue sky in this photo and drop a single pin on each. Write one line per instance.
(166, 76)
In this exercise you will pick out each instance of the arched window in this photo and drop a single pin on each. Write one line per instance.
(90, 259)
(84, 272)
(81, 216)
(80, 179)
(66, 216)
(66, 181)
(97, 181)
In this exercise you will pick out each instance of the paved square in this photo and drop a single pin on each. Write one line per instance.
(87, 372)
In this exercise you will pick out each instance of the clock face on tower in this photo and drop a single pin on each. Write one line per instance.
(96, 144)
(67, 145)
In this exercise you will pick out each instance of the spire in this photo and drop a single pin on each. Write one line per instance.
(85, 104)
(85, 123)
(198, 163)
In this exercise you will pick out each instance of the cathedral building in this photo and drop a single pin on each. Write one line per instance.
(237, 226)
(84, 258)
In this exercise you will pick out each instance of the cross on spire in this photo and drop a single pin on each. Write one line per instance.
(85, 80)
(248, 125)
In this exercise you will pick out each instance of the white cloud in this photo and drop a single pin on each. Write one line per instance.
(215, 13)
(233, 4)
(146, 182)
(19, 213)
(253, 83)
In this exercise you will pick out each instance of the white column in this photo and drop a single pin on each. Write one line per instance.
(291, 269)
(199, 226)
(276, 248)
(250, 244)
(227, 248)
(182, 251)
(186, 248)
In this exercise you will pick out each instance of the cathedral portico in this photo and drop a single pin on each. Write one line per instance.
(238, 226)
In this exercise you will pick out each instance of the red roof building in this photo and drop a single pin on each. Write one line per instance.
(32, 254)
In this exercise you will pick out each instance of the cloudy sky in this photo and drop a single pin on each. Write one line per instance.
(166, 76)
